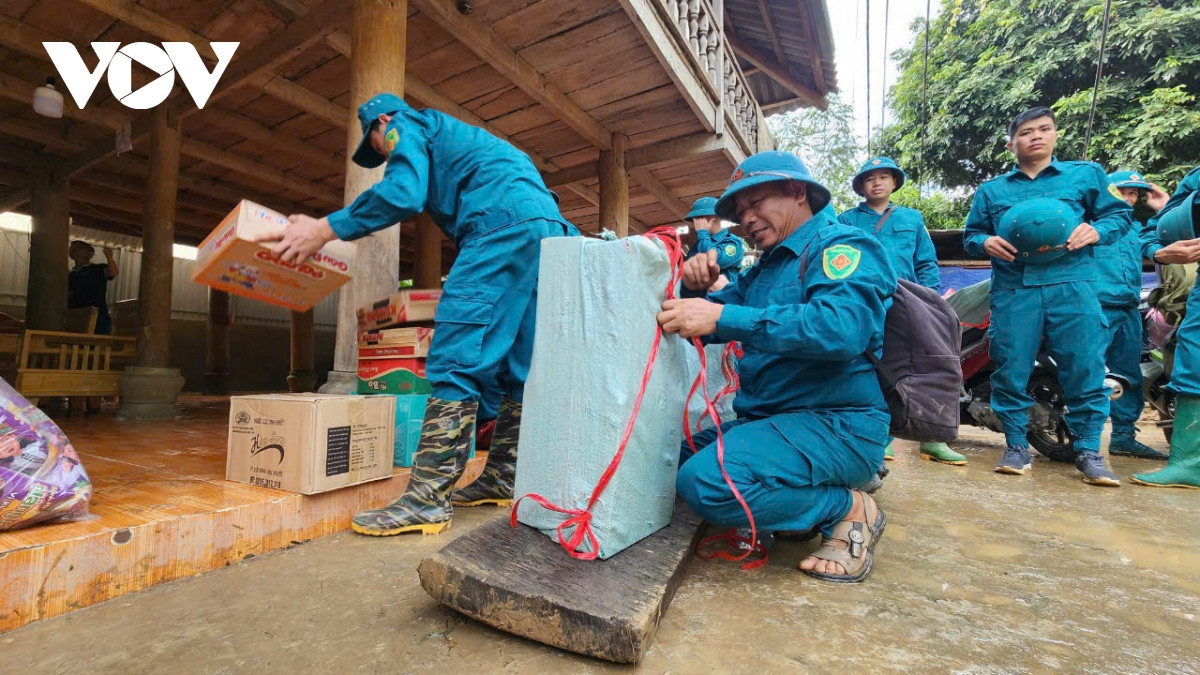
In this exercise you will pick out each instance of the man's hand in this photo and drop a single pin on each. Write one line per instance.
(108, 252)
(1157, 198)
(1084, 235)
(701, 271)
(1179, 253)
(304, 237)
(721, 282)
(690, 317)
(998, 247)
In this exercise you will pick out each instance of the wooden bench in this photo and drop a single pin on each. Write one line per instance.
(41, 363)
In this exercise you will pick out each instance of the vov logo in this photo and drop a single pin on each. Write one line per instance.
(167, 60)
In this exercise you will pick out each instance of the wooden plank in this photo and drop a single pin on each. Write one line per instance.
(482, 41)
(654, 186)
(234, 162)
(678, 148)
(157, 25)
(814, 47)
(772, 34)
(522, 582)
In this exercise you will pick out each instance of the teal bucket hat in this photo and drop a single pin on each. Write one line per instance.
(1180, 222)
(1128, 179)
(871, 165)
(380, 104)
(1038, 229)
(705, 206)
(770, 167)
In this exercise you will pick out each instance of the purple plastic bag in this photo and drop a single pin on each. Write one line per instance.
(41, 477)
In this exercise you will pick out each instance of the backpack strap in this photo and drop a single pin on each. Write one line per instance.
(888, 212)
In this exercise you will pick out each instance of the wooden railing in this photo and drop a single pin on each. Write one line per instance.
(697, 28)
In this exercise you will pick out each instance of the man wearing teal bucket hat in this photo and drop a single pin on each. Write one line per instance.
(811, 419)
(1119, 288)
(902, 232)
(1175, 225)
(711, 236)
(1047, 296)
(489, 199)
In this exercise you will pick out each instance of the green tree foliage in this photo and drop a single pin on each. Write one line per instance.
(824, 140)
(990, 59)
(941, 210)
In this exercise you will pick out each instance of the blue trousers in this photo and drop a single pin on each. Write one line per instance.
(794, 470)
(1124, 357)
(1185, 375)
(1068, 319)
(483, 330)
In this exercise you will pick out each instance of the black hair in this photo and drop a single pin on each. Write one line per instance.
(1030, 114)
(80, 242)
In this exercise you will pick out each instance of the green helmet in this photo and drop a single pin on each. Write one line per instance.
(1038, 229)
(871, 165)
(1180, 222)
(1128, 179)
(765, 167)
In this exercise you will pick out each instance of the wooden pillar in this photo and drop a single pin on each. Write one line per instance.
(216, 372)
(46, 290)
(614, 187)
(429, 253)
(378, 40)
(150, 388)
(303, 375)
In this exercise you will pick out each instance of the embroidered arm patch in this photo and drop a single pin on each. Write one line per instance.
(390, 139)
(840, 261)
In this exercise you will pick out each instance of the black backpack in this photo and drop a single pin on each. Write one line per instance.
(920, 372)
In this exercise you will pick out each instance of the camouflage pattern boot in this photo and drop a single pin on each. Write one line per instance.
(439, 461)
(495, 484)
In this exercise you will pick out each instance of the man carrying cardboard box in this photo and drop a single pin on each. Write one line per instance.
(487, 197)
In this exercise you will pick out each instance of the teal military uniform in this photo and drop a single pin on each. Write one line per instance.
(1118, 287)
(811, 419)
(489, 199)
(729, 247)
(904, 237)
(1185, 375)
(1053, 302)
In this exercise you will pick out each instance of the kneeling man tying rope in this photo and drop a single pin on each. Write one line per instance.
(811, 419)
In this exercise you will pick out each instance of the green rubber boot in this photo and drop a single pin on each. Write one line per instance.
(1123, 443)
(940, 452)
(439, 461)
(888, 453)
(495, 484)
(1183, 466)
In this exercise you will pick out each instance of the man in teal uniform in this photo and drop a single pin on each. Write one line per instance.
(1183, 467)
(902, 232)
(1052, 302)
(489, 199)
(812, 421)
(710, 236)
(1119, 288)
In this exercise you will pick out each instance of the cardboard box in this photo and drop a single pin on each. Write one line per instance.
(394, 343)
(229, 261)
(407, 306)
(392, 376)
(310, 443)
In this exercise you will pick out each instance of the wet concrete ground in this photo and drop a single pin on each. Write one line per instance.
(977, 572)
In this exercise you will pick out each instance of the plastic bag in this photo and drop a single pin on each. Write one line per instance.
(41, 477)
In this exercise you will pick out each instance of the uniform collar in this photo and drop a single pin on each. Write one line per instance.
(1054, 164)
(803, 236)
(862, 206)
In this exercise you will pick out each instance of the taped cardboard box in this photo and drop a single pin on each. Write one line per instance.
(600, 298)
(228, 261)
(392, 376)
(310, 443)
(408, 306)
(394, 342)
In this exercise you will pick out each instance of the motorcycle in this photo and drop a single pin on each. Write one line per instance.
(1047, 431)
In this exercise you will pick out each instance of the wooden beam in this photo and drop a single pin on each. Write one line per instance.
(656, 187)
(238, 123)
(16, 89)
(814, 50)
(234, 162)
(39, 133)
(136, 187)
(570, 175)
(614, 187)
(304, 99)
(427, 95)
(133, 205)
(676, 148)
(777, 72)
(480, 39)
(592, 197)
(770, 26)
(14, 177)
(128, 11)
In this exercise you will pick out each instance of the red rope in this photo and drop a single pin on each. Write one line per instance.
(581, 519)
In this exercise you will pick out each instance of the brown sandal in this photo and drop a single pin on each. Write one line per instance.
(860, 539)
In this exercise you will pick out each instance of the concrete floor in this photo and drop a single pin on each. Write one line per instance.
(977, 573)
